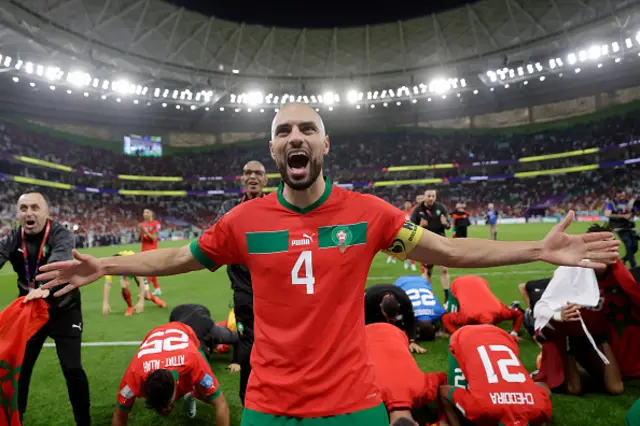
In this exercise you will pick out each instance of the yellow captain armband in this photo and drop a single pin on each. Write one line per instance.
(405, 241)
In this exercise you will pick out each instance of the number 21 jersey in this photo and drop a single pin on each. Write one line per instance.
(309, 268)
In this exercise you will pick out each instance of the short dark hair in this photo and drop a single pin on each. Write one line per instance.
(426, 331)
(596, 227)
(403, 421)
(159, 388)
(390, 305)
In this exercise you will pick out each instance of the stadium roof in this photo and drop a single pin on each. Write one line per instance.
(161, 41)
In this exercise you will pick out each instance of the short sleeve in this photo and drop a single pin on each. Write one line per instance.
(217, 246)
(158, 227)
(394, 234)
(128, 390)
(206, 384)
(466, 403)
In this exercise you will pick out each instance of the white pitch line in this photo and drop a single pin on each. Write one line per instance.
(100, 344)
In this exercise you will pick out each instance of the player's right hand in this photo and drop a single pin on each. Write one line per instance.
(571, 312)
(424, 223)
(80, 271)
(106, 309)
(416, 348)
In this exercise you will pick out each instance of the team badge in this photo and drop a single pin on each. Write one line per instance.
(126, 392)
(342, 236)
(207, 381)
(45, 250)
(240, 327)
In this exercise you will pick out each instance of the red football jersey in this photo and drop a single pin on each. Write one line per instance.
(402, 384)
(500, 388)
(309, 268)
(621, 295)
(475, 299)
(173, 346)
(153, 228)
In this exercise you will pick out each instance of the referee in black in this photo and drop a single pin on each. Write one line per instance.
(37, 241)
(433, 216)
(253, 180)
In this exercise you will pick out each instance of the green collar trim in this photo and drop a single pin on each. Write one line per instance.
(324, 197)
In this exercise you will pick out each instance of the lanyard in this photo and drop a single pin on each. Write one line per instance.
(25, 254)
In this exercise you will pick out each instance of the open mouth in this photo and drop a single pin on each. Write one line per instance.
(298, 162)
(30, 222)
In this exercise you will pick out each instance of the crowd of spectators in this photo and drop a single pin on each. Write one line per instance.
(104, 218)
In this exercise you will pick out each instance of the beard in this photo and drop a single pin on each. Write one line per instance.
(315, 168)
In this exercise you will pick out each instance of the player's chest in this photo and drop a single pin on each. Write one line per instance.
(308, 254)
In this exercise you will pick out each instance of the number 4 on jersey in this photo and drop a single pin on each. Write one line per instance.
(308, 279)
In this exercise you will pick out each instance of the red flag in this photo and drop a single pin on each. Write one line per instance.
(18, 322)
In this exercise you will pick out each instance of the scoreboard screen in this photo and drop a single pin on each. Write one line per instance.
(143, 146)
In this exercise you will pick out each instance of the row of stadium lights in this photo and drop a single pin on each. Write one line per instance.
(437, 87)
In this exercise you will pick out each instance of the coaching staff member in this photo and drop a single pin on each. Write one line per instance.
(37, 241)
(253, 180)
(434, 217)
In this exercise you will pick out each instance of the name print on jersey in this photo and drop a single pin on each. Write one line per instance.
(155, 364)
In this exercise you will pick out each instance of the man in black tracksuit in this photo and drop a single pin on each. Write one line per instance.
(253, 180)
(434, 217)
(38, 241)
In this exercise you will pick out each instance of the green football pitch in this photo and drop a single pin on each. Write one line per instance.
(49, 404)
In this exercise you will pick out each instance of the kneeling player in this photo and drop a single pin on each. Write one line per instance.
(403, 385)
(472, 302)
(169, 365)
(426, 308)
(491, 385)
(126, 293)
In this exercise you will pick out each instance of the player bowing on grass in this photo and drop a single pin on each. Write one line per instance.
(126, 293)
(472, 302)
(426, 307)
(403, 386)
(168, 366)
(309, 256)
(491, 385)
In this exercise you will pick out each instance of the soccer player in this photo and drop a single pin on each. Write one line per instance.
(309, 255)
(531, 292)
(253, 180)
(433, 216)
(388, 303)
(426, 307)
(620, 212)
(490, 384)
(149, 233)
(126, 293)
(403, 385)
(168, 366)
(461, 221)
(472, 302)
(491, 217)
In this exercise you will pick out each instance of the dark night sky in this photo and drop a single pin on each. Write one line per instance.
(317, 14)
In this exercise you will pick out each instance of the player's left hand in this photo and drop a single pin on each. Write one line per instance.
(415, 348)
(37, 293)
(593, 250)
(233, 367)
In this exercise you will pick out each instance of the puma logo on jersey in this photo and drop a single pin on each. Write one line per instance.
(78, 326)
(306, 240)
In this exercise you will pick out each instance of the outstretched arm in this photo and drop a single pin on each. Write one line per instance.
(558, 247)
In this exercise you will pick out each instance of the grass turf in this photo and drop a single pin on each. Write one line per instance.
(49, 404)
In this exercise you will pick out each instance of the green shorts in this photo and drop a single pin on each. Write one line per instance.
(376, 416)
(633, 416)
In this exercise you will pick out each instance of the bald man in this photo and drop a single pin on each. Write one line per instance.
(309, 246)
(38, 241)
(253, 180)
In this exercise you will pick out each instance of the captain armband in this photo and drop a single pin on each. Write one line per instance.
(405, 241)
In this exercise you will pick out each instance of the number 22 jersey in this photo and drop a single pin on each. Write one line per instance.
(309, 268)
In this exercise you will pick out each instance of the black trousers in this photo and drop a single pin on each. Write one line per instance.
(630, 240)
(65, 328)
(243, 308)
(199, 319)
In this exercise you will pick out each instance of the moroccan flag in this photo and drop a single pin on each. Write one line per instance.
(18, 322)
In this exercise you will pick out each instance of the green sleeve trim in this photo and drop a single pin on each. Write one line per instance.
(215, 395)
(201, 257)
(124, 407)
(451, 391)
